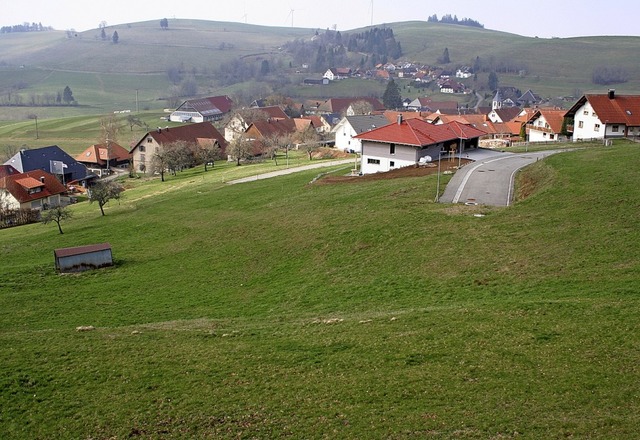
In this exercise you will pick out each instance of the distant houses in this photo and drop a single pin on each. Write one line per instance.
(202, 109)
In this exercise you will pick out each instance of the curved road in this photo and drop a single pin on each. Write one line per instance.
(489, 180)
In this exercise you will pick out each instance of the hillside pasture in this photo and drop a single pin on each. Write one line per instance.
(283, 309)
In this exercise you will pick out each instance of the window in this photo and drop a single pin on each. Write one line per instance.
(373, 161)
(392, 148)
(141, 148)
(149, 140)
(392, 164)
(580, 124)
(597, 127)
(586, 112)
(615, 128)
(552, 137)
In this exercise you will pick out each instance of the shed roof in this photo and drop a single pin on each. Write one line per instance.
(80, 250)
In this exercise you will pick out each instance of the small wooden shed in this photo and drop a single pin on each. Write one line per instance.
(81, 258)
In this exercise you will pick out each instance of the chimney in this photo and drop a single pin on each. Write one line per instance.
(41, 179)
(159, 130)
(612, 93)
(399, 119)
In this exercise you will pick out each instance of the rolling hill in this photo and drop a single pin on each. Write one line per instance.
(105, 76)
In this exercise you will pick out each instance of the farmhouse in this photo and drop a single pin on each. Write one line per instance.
(100, 157)
(51, 159)
(344, 106)
(78, 259)
(202, 109)
(239, 122)
(203, 133)
(408, 142)
(34, 189)
(605, 116)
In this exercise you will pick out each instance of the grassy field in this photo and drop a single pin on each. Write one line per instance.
(282, 309)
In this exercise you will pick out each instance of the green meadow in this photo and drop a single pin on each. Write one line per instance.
(280, 308)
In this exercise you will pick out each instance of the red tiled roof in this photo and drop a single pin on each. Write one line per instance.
(80, 250)
(419, 133)
(18, 185)
(274, 112)
(7, 170)
(622, 109)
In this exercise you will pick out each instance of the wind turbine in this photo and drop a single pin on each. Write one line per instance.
(291, 15)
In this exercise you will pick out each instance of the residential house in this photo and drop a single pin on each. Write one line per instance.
(464, 72)
(336, 73)
(238, 125)
(344, 105)
(51, 159)
(504, 114)
(451, 86)
(202, 109)
(270, 128)
(101, 157)
(408, 142)
(605, 116)
(320, 124)
(203, 133)
(350, 126)
(427, 104)
(529, 99)
(546, 125)
(35, 189)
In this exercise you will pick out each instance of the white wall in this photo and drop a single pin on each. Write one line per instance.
(584, 126)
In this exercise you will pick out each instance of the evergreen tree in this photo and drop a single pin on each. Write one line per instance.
(493, 81)
(67, 95)
(115, 37)
(391, 97)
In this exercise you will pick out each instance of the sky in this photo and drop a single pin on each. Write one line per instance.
(543, 18)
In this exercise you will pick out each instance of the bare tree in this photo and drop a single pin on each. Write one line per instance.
(209, 153)
(57, 215)
(362, 108)
(109, 130)
(309, 140)
(240, 148)
(103, 191)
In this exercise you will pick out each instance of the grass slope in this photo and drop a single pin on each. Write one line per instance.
(279, 309)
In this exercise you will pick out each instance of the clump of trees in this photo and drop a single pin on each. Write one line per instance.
(60, 98)
(448, 19)
(606, 75)
(180, 155)
(25, 27)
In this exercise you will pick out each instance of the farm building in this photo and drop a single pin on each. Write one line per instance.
(81, 258)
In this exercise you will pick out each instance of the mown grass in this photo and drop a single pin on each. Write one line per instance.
(282, 309)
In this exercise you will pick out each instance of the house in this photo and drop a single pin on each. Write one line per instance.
(202, 109)
(7, 170)
(427, 104)
(51, 159)
(605, 116)
(504, 114)
(238, 124)
(350, 126)
(203, 133)
(546, 125)
(35, 189)
(337, 73)
(100, 157)
(464, 72)
(451, 86)
(408, 142)
(81, 258)
(270, 128)
(529, 99)
(344, 105)
(319, 123)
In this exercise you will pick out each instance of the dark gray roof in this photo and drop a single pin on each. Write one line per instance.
(40, 159)
(363, 123)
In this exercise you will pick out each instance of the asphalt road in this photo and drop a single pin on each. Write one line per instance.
(489, 180)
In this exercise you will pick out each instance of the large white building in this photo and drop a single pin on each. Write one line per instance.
(351, 126)
(605, 116)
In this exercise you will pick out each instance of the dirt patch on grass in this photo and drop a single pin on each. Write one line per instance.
(412, 171)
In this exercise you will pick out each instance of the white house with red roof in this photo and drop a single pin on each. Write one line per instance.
(34, 189)
(545, 125)
(605, 116)
(409, 142)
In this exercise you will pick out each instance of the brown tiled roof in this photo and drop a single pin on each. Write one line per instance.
(340, 105)
(97, 154)
(554, 118)
(189, 133)
(622, 109)
(7, 170)
(18, 185)
(271, 128)
(508, 114)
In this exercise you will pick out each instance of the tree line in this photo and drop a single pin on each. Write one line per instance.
(448, 19)
(25, 27)
(61, 97)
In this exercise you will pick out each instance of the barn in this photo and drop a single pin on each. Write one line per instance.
(81, 258)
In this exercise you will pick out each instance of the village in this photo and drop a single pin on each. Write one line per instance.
(420, 132)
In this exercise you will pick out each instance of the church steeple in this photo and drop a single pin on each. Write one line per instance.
(497, 101)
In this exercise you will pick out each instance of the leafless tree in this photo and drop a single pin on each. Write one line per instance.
(57, 215)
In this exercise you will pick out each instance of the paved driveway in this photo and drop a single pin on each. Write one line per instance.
(489, 180)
